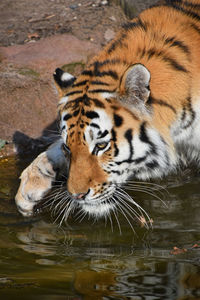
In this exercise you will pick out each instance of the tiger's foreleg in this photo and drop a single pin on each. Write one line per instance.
(38, 177)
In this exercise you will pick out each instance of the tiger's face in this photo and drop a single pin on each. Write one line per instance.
(108, 142)
(92, 135)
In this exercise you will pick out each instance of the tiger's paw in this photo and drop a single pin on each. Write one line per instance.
(36, 182)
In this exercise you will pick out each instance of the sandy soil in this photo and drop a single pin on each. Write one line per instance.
(23, 21)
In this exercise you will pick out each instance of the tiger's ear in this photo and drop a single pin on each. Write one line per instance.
(134, 86)
(63, 81)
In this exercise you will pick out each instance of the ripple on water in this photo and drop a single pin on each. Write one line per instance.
(85, 261)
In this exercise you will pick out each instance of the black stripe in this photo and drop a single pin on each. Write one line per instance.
(177, 43)
(114, 107)
(98, 82)
(114, 138)
(153, 52)
(106, 62)
(184, 3)
(74, 93)
(132, 25)
(83, 99)
(139, 160)
(128, 26)
(103, 134)
(81, 83)
(152, 165)
(98, 73)
(123, 161)
(71, 126)
(128, 135)
(115, 172)
(145, 139)
(94, 152)
(97, 102)
(160, 102)
(174, 64)
(118, 120)
(110, 73)
(95, 125)
(117, 43)
(71, 134)
(88, 73)
(67, 117)
(191, 5)
(116, 150)
(195, 27)
(101, 91)
(184, 11)
(76, 112)
(91, 114)
(188, 110)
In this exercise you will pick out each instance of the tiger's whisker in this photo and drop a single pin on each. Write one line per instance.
(121, 210)
(120, 231)
(63, 210)
(149, 193)
(129, 199)
(67, 212)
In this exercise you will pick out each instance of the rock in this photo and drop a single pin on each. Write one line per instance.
(47, 54)
(104, 2)
(112, 18)
(109, 35)
(73, 6)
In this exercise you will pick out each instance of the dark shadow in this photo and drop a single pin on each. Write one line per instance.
(27, 146)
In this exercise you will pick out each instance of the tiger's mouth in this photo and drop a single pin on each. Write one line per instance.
(100, 205)
(112, 202)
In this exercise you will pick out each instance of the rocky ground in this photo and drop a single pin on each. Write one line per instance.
(24, 21)
(35, 38)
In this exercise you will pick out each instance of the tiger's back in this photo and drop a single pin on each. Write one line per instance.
(166, 40)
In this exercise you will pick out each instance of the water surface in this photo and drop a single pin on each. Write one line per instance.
(86, 260)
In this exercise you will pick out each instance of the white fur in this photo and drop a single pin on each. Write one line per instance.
(107, 95)
(104, 123)
(187, 141)
(63, 100)
(64, 131)
(66, 76)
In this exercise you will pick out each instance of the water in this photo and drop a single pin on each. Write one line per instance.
(39, 260)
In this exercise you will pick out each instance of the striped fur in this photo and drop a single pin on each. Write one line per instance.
(136, 106)
(140, 124)
(118, 124)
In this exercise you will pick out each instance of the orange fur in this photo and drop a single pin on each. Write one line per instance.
(167, 42)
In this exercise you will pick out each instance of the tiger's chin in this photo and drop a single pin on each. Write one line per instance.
(97, 209)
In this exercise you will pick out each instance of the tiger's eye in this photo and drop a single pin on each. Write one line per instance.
(101, 146)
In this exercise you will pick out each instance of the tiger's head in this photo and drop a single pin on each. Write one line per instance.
(105, 131)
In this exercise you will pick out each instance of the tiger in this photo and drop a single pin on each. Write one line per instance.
(134, 112)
